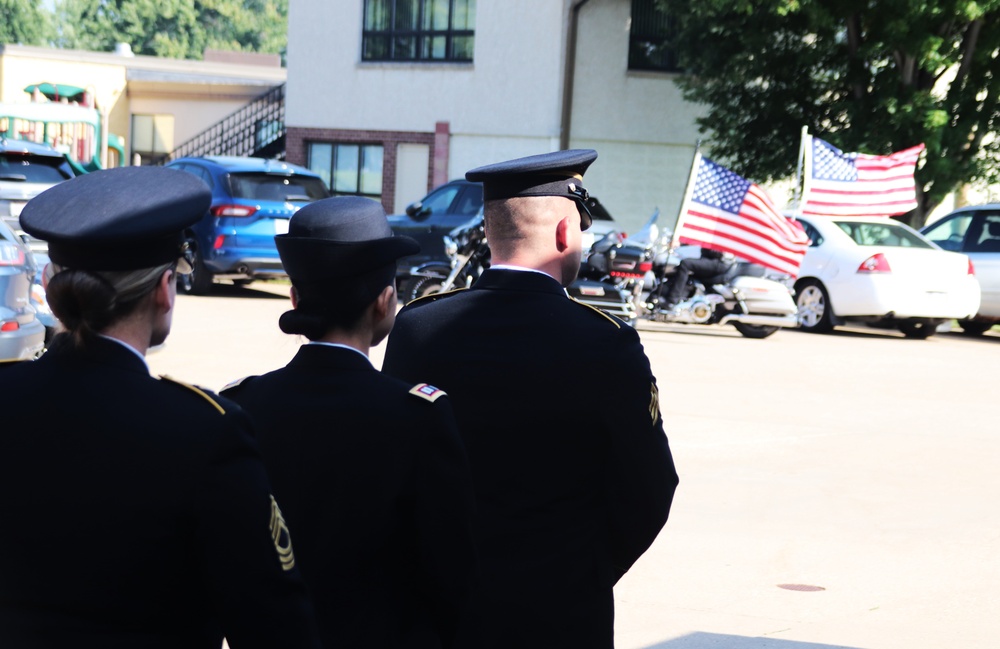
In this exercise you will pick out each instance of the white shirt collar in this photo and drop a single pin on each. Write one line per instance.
(520, 269)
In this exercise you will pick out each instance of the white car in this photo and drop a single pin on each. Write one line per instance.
(882, 273)
(975, 231)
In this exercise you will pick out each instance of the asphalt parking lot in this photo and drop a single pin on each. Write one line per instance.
(836, 491)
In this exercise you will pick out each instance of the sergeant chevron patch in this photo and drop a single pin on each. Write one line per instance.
(654, 403)
(429, 392)
(282, 539)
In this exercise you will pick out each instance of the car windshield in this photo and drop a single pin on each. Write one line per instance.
(272, 187)
(30, 169)
(882, 234)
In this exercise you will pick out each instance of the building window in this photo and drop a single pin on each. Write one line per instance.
(418, 30)
(649, 45)
(348, 169)
(152, 137)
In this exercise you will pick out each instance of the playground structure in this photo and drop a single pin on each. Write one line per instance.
(67, 119)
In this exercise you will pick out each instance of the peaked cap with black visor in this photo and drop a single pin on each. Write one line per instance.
(559, 173)
(121, 219)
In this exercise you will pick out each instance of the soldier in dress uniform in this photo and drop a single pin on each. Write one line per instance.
(136, 511)
(559, 413)
(370, 470)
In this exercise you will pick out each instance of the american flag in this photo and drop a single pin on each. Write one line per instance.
(857, 184)
(728, 213)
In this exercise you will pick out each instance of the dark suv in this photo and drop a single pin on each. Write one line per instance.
(252, 200)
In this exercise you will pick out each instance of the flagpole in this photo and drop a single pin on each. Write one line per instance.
(688, 191)
(806, 159)
(800, 172)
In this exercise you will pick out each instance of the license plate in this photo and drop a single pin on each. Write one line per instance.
(281, 226)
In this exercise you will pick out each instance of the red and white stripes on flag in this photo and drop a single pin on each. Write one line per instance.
(724, 211)
(857, 184)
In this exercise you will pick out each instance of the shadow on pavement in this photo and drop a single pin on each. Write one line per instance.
(723, 641)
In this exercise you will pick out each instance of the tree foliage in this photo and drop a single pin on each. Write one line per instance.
(24, 22)
(173, 28)
(866, 76)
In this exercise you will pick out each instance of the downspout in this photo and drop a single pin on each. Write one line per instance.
(568, 74)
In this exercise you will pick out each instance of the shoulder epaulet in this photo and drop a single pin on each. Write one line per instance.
(607, 317)
(431, 297)
(427, 392)
(193, 388)
(237, 383)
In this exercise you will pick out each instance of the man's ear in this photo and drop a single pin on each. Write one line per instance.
(562, 234)
(384, 302)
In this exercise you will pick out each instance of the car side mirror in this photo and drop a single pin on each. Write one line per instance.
(417, 211)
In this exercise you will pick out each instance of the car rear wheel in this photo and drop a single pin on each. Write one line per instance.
(424, 286)
(813, 303)
(974, 327)
(918, 329)
(199, 280)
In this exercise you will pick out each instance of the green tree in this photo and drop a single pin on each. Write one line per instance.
(866, 76)
(24, 23)
(174, 28)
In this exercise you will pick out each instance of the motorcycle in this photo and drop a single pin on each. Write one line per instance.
(755, 302)
(468, 256)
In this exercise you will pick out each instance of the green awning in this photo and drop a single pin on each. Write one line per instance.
(57, 91)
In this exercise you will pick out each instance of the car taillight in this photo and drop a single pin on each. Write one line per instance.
(972, 269)
(233, 210)
(875, 264)
(645, 266)
(10, 255)
(219, 240)
(10, 325)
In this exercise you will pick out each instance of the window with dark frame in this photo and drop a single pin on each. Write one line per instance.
(649, 44)
(418, 30)
(348, 169)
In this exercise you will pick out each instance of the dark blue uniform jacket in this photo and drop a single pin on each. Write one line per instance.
(559, 413)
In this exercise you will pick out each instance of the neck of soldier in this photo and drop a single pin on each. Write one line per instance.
(133, 330)
(551, 265)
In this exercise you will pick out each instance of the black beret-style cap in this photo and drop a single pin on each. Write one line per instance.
(559, 173)
(339, 237)
(124, 218)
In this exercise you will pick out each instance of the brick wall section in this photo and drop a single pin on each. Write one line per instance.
(297, 151)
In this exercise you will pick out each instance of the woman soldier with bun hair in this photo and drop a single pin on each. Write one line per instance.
(370, 470)
(136, 511)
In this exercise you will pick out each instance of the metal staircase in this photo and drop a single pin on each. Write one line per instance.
(257, 129)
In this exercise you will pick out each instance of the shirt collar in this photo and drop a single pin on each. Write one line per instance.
(358, 352)
(128, 347)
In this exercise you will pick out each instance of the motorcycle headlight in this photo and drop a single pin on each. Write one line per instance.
(450, 246)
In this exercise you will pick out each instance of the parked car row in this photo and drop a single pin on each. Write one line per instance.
(874, 271)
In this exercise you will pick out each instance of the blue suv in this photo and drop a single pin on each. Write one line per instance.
(252, 200)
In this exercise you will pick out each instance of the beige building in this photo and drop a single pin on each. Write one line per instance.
(152, 104)
(390, 98)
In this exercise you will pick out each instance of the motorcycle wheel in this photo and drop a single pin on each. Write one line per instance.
(917, 329)
(754, 331)
(422, 287)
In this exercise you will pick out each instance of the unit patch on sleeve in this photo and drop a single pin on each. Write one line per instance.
(429, 392)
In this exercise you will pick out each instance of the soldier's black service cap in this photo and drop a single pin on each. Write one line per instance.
(340, 237)
(550, 174)
(118, 219)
